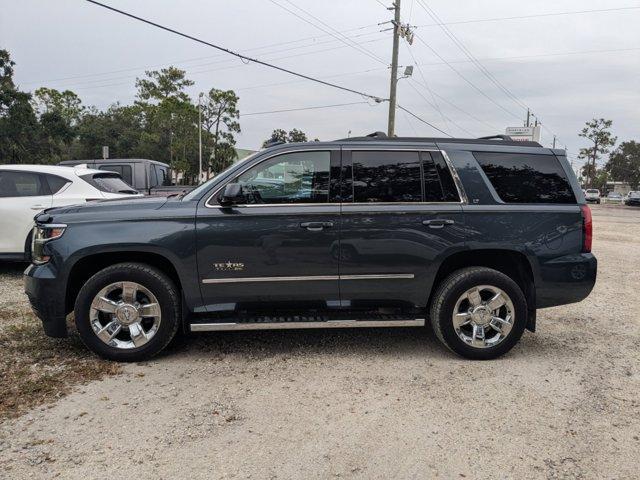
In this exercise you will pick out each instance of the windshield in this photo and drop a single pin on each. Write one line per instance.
(593, 191)
(197, 192)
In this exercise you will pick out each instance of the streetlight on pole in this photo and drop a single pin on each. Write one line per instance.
(199, 138)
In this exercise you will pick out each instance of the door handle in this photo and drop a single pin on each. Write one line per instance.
(437, 223)
(316, 226)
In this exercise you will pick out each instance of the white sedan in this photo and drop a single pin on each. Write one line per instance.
(26, 190)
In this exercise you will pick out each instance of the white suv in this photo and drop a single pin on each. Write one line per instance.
(26, 190)
(592, 195)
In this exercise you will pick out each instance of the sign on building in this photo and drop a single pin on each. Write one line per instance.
(522, 134)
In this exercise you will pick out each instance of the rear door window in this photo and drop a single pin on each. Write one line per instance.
(401, 176)
(526, 178)
(386, 176)
(22, 184)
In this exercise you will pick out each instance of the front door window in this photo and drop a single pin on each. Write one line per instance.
(301, 177)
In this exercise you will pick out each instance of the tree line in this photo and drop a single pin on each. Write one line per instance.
(623, 164)
(49, 126)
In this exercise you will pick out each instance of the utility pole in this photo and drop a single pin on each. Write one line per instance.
(528, 118)
(394, 70)
(199, 138)
(554, 141)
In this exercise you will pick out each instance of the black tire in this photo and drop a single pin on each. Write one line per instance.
(152, 279)
(452, 288)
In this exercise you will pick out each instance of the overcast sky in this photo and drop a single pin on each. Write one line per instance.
(567, 68)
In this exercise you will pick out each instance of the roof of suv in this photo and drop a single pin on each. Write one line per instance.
(52, 169)
(104, 161)
(493, 140)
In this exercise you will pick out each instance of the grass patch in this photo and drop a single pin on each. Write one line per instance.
(36, 369)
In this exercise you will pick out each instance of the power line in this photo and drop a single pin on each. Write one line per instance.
(444, 117)
(538, 55)
(537, 15)
(336, 34)
(240, 56)
(457, 72)
(188, 60)
(469, 55)
(423, 120)
(316, 107)
(227, 67)
(426, 84)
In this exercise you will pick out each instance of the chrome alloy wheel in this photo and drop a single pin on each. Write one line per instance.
(125, 315)
(483, 316)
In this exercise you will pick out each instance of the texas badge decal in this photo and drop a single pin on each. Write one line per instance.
(229, 266)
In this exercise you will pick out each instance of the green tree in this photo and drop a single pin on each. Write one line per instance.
(119, 127)
(18, 122)
(163, 84)
(280, 135)
(220, 120)
(66, 104)
(169, 118)
(598, 132)
(624, 163)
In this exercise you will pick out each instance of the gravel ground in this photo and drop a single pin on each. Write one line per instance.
(364, 403)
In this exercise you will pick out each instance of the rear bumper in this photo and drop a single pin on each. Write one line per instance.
(566, 279)
(47, 297)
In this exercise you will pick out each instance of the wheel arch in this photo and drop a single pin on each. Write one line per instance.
(85, 267)
(512, 263)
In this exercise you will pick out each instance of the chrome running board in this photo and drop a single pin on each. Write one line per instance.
(226, 326)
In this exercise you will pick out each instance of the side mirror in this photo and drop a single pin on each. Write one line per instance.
(231, 195)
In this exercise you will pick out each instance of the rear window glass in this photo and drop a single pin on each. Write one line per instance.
(108, 182)
(123, 170)
(526, 178)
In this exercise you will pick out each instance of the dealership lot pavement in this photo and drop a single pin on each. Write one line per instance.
(564, 403)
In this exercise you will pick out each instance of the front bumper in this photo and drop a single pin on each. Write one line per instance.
(47, 297)
(566, 279)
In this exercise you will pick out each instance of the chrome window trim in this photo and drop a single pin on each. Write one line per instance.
(306, 278)
(456, 179)
(276, 154)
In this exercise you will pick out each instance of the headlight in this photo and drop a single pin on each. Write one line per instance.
(41, 235)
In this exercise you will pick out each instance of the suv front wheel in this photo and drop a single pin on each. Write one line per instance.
(479, 313)
(127, 312)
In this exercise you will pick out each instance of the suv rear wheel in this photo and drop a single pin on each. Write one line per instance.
(127, 312)
(479, 313)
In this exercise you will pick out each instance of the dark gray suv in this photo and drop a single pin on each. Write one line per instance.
(470, 235)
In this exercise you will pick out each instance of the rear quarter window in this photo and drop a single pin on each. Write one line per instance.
(526, 178)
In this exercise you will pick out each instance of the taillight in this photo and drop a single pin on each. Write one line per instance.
(587, 228)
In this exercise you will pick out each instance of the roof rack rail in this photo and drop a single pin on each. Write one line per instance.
(377, 135)
(371, 136)
(497, 137)
(273, 143)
